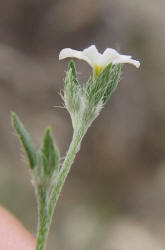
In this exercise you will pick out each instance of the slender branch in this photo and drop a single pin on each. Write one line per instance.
(47, 208)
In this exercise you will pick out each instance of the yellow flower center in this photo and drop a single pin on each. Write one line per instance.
(97, 70)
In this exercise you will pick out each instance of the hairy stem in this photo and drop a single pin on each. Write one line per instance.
(44, 220)
(73, 149)
(47, 207)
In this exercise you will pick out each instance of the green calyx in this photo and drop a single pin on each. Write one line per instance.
(85, 102)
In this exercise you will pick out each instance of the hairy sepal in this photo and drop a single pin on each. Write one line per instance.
(115, 73)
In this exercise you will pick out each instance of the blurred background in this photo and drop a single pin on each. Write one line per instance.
(114, 197)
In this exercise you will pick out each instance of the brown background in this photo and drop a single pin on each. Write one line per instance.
(114, 198)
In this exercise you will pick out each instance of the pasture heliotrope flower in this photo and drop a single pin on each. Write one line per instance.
(84, 103)
(97, 60)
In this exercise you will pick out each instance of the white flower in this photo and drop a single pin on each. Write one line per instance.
(97, 60)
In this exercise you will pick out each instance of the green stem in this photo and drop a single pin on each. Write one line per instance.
(47, 209)
(43, 227)
(73, 149)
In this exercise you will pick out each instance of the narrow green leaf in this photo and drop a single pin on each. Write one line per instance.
(25, 140)
(114, 80)
(49, 153)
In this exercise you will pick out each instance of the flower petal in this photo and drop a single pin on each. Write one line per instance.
(108, 56)
(64, 53)
(92, 54)
(73, 53)
(112, 56)
(127, 59)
